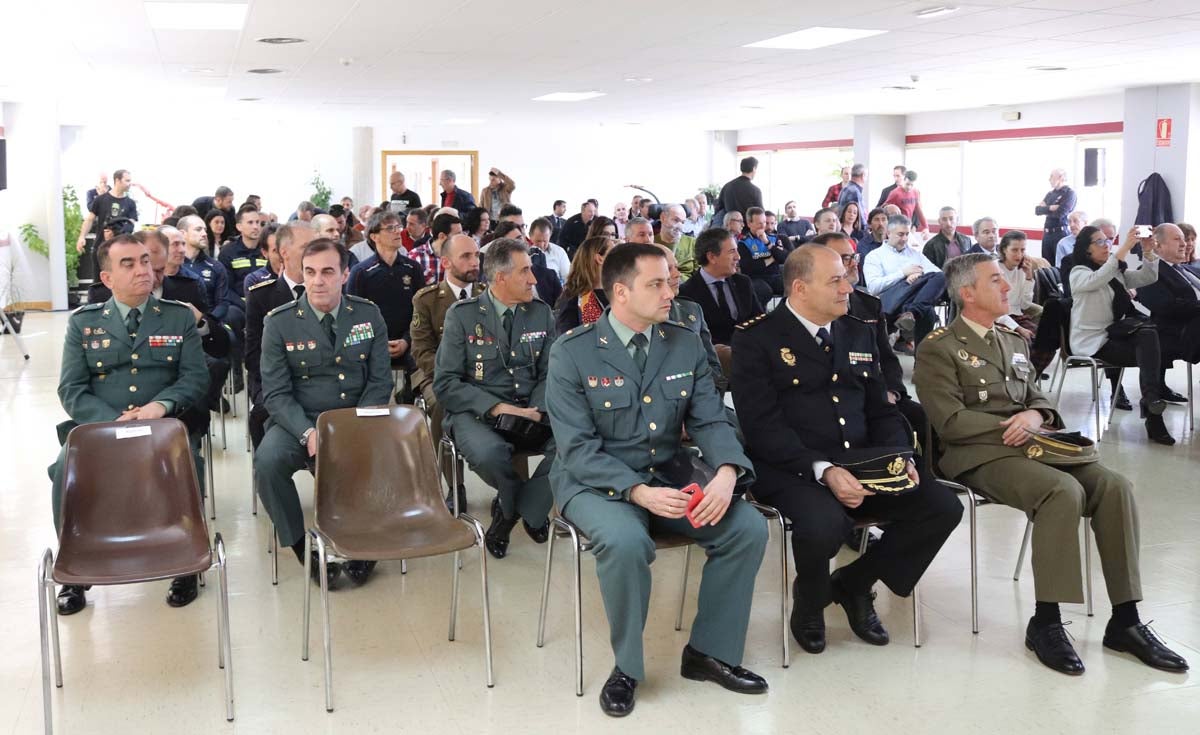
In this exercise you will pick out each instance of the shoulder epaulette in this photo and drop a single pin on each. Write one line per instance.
(1004, 328)
(427, 289)
(359, 299)
(267, 282)
(673, 323)
(937, 333)
(173, 302)
(281, 307)
(89, 307)
(860, 320)
(370, 268)
(869, 295)
(751, 322)
(576, 331)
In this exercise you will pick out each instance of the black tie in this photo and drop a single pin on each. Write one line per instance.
(327, 326)
(506, 322)
(298, 289)
(824, 340)
(722, 300)
(537, 257)
(639, 342)
(462, 294)
(132, 321)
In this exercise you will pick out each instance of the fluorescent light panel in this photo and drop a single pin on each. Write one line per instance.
(568, 96)
(196, 16)
(815, 37)
(938, 11)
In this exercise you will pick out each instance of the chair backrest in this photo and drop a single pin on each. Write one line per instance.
(373, 468)
(130, 491)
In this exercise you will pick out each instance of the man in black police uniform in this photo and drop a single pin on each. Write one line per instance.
(1056, 206)
(262, 298)
(808, 389)
(390, 280)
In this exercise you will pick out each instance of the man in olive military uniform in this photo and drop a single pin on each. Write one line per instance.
(492, 361)
(460, 258)
(320, 352)
(975, 379)
(131, 357)
(809, 392)
(621, 391)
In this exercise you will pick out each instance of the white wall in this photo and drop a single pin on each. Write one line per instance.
(1083, 110)
(808, 130)
(33, 175)
(571, 161)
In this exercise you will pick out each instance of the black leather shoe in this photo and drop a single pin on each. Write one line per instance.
(1171, 396)
(539, 535)
(860, 611)
(333, 571)
(906, 323)
(618, 695)
(1053, 647)
(1156, 430)
(496, 538)
(358, 571)
(71, 599)
(183, 590)
(699, 667)
(1121, 401)
(808, 628)
(1153, 408)
(462, 499)
(1143, 642)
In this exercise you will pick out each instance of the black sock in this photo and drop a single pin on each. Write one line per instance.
(856, 578)
(1125, 615)
(298, 547)
(1046, 613)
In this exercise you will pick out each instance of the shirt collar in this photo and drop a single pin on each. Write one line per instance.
(497, 304)
(810, 326)
(709, 278)
(624, 333)
(321, 314)
(978, 329)
(124, 310)
(290, 283)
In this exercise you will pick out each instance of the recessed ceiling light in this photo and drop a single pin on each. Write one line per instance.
(753, 107)
(200, 70)
(568, 96)
(1048, 68)
(815, 37)
(264, 70)
(196, 16)
(936, 11)
(279, 40)
(638, 80)
(464, 121)
(249, 99)
(898, 88)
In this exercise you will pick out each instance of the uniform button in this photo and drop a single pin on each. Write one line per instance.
(133, 371)
(864, 373)
(478, 356)
(653, 426)
(846, 445)
(646, 399)
(653, 452)
(99, 364)
(338, 359)
(611, 493)
(131, 407)
(795, 381)
(983, 381)
(361, 356)
(341, 376)
(102, 376)
(514, 353)
(683, 393)
(133, 389)
(303, 363)
(343, 396)
(133, 356)
(835, 399)
(608, 404)
(516, 385)
(170, 358)
(835, 377)
(842, 422)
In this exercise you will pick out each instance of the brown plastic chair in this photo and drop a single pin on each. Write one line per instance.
(378, 497)
(131, 512)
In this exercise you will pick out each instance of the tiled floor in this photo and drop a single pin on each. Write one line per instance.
(134, 665)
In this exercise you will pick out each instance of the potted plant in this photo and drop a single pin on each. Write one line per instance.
(322, 193)
(10, 296)
(72, 222)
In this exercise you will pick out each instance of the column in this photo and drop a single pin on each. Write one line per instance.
(879, 145)
(1176, 159)
(363, 167)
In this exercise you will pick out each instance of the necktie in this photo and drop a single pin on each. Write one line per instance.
(723, 300)
(298, 289)
(1188, 278)
(327, 327)
(506, 322)
(132, 321)
(462, 294)
(639, 343)
(824, 340)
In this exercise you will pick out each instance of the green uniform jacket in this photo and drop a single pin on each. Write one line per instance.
(105, 372)
(476, 368)
(968, 387)
(303, 375)
(614, 429)
(691, 315)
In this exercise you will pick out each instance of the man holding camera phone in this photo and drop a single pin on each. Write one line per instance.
(621, 390)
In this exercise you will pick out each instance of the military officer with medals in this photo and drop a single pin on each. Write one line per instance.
(811, 400)
(460, 260)
(491, 364)
(975, 380)
(325, 350)
(132, 357)
(621, 390)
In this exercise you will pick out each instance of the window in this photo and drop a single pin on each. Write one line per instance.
(939, 178)
(802, 175)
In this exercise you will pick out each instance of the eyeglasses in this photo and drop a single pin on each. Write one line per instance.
(851, 258)
(393, 228)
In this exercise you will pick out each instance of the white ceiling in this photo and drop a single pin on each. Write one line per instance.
(423, 63)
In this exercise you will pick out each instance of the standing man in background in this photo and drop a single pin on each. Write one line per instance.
(1057, 206)
(110, 205)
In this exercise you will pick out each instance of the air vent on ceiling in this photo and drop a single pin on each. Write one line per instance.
(279, 40)
(265, 70)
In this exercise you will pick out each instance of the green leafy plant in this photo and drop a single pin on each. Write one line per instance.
(72, 223)
(712, 191)
(10, 289)
(321, 192)
(34, 241)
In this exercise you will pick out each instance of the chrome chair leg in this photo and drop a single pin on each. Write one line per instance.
(687, 559)
(253, 484)
(578, 586)
(541, 629)
(1191, 402)
(307, 594)
(223, 617)
(47, 612)
(916, 599)
(1087, 563)
(866, 539)
(1024, 547)
(324, 561)
(1112, 406)
(974, 564)
(274, 551)
(454, 596)
(487, 607)
(404, 566)
(206, 441)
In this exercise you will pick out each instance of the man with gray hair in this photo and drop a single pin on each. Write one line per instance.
(907, 282)
(987, 237)
(853, 191)
(452, 196)
(1075, 222)
(490, 378)
(672, 234)
(1174, 302)
(1056, 206)
(975, 380)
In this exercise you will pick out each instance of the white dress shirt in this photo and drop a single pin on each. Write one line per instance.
(884, 266)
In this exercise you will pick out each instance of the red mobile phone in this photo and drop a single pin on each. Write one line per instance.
(697, 494)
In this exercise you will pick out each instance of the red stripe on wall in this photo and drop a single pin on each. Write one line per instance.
(1010, 133)
(802, 145)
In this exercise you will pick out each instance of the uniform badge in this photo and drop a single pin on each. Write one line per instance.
(1033, 451)
(87, 331)
(604, 340)
(662, 334)
(156, 309)
(619, 381)
(291, 346)
(105, 343)
(207, 273)
(479, 371)
(593, 381)
(478, 330)
(312, 344)
(897, 466)
(788, 358)
(95, 345)
(407, 280)
(691, 317)
(976, 362)
(983, 395)
(416, 320)
(99, 330)
(300, 347)
(962, 355)
(605, 382)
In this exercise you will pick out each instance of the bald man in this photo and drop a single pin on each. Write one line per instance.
(1056, 206)
(1174, 302)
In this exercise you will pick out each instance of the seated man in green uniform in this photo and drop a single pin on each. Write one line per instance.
(492, 361)
(976, 382)
(620, 392)
(131, 357)
(325, 350)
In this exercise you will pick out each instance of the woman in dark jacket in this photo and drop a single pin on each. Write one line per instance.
(583, 299)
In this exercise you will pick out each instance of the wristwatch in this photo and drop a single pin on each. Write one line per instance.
(304, 436)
